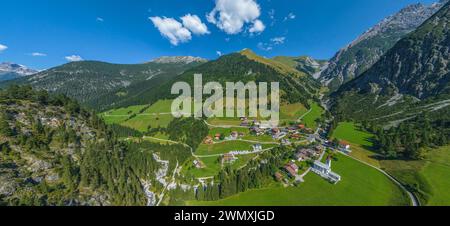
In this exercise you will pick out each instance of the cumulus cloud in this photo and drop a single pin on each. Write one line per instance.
(172, 30)
(37, 54)
(232, 15)
(3, 48)
(74, 58)
(258, 27)
(99, 19)
(290, 16)
(219, 53)
(194, 24)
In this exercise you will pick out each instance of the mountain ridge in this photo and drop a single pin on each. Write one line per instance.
(364, 51)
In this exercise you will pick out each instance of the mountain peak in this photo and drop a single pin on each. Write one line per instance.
(10, 70)
(178, 60)
(349, 63)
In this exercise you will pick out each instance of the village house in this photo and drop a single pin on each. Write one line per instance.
(295, 136)
(208, 140)
(324, 170)
(292, 129)
(292, 169)
(199, 164)
(279, 177)
(217, 136)
(301, 126)
(285, 142)
(234, 135)
(228, 158)
(344, 146)
(257, 147)
(302, 156)
(311, 138)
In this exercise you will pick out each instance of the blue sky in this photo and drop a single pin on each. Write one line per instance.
(45, 33)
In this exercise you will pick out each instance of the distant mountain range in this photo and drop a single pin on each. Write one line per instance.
(367, 49)
(412, 77)
(179, 60)
(99, 84)
(9, 71)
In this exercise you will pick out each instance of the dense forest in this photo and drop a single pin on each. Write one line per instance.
(254, 175)
(76, 161)
(410, 138)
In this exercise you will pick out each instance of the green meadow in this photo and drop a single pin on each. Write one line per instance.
(227, 146)
(213, 165)
(291, 112)
(429, 178)
(316, 113)
(352, 133)
(361, 185)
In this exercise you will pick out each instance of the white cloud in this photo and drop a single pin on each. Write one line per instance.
(258, 27)
(3, 48)
(37, 54)
(273, 42)
(232, 15)
(278, 40)
(290, 16)
(99, 19)
(219, 53)
(265, 46)
(74, 58)
(194, 24)
(172, 30)
(272, 17)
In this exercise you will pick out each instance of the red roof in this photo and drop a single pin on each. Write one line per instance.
(344, 143)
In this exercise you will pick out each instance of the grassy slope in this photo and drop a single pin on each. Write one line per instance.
(141, 121)
(361, 185)
(361, 142)
(316, 112)
(226, 147)
(429, 176)
(437, 172)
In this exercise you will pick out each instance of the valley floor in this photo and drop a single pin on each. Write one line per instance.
(361, 186)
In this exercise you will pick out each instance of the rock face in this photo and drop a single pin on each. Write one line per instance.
(10, 71)
(367, 49)
(178, 60)
(417, 67)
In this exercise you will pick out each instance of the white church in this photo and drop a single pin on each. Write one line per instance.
(324, 170)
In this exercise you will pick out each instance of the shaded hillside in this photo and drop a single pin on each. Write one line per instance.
(414, 76)
(360, 55)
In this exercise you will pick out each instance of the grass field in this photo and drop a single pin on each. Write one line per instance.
(361, 142)
(361, 185)
(162, 106)
(227, 146)
(316, 113)
(291, 112)
(429, 176)
(213, 166)
(142, 122)
(352, 133)
(118, 116)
